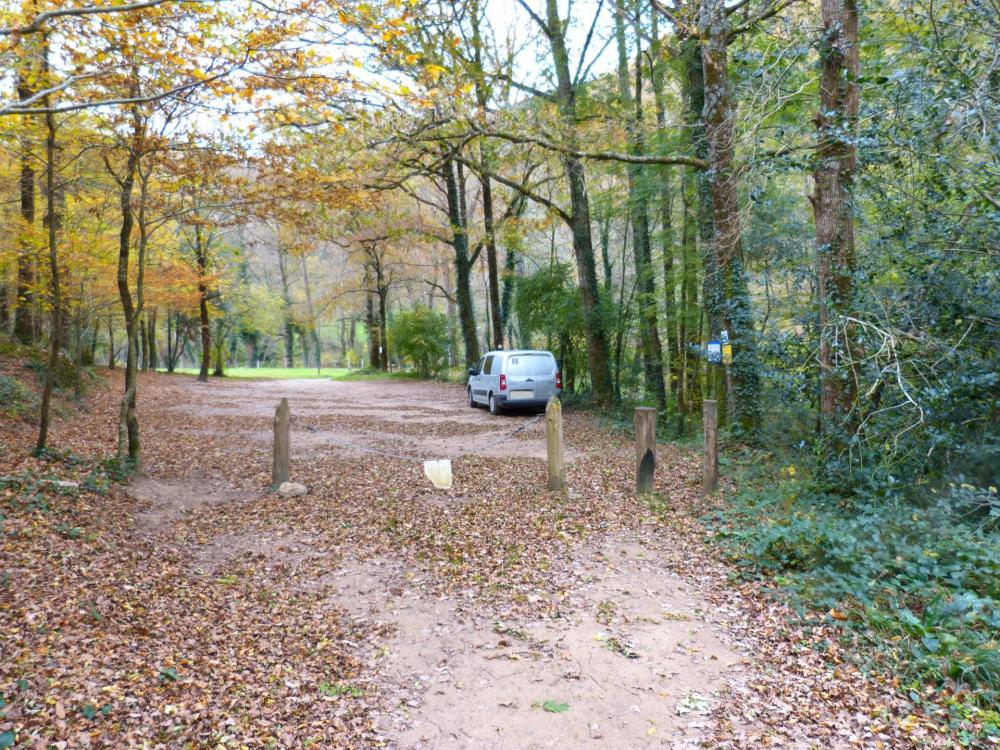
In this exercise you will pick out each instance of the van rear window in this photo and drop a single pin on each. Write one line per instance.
(531, 364)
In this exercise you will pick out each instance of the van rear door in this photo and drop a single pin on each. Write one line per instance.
(531, 376)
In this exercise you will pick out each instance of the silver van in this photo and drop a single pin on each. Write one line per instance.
(514, 378)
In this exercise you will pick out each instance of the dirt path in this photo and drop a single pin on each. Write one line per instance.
(421, 420)
(629, 654)
(634, 661)
(201, 610)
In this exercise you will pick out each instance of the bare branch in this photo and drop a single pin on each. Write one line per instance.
(536, 18)
(586, 43)
(688, 161)
(17, 109)
(87, 10)
(522, 189)
(771, 9)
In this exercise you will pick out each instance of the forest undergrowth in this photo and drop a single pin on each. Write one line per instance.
(913, 586)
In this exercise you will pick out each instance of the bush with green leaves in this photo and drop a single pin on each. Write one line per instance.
(64, 375)
(550, 314)
(16, 399)
(420, 336)
(922, 577)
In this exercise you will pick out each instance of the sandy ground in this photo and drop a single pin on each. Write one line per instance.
(200, 609)
(634, 657)
(409, 419)
(637, 663)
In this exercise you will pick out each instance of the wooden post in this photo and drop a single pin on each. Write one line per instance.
(645, 449)
(554, 444)
(710, 417)
(282, 442)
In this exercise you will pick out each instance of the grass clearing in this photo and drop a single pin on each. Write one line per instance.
(275, 373)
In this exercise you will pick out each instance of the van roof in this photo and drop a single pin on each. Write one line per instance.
(519, 351)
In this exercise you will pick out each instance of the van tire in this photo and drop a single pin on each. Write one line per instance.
(472, 401)
(494, 406)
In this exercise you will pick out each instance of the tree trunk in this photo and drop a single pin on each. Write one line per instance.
(583, 246)
(206, 334)
(143, 346)
(688, 328)
(604, 237)
(52, 224)
(836, 162)
(170, 342)
(286, 298)
(313, 334)
(220, 349)
(452, 315)
(174, 356)
(4, 304)
(670, 321)
(487, 159)
(92, 352)
(649, 335)
(154, 355)
(304, 343)
(251, 341)
(698, 245)
(493, 274)
(111, 344)
(624, 306)
(24, 324)
(128, 431)
(729, 285)
(131, 379)
(510, 271)
(374, 339)
(507, 290)
(383, 320)
(463, 266)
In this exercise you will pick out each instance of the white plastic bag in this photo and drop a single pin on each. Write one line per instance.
(439, 472)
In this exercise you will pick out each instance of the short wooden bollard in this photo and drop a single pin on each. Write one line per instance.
(554, 444)
(645, 449)
(710, 420)
(282, 442)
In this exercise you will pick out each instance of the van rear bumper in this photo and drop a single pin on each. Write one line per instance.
(532, 403)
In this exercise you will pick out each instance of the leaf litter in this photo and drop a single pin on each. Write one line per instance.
(210, 613)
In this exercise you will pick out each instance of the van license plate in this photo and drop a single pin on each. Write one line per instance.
(520, 395)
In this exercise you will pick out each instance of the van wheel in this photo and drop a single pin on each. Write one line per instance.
(472, 401)
(494, 406)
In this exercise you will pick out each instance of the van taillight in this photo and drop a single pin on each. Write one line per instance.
(503, 382)
(559, 380)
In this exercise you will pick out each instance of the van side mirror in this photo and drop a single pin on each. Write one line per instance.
(472, 370)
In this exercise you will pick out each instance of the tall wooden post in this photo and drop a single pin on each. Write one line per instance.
(554, 444)
(710, 419)
(282, 442)
(645, 449)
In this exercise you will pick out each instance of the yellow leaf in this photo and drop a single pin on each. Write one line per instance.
(434, 71)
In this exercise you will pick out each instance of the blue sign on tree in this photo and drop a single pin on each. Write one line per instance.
(714, 352)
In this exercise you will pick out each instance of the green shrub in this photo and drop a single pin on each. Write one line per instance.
(420, 336)
(64, 375)
(11, 349)
(16, 399)
(922, 578)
